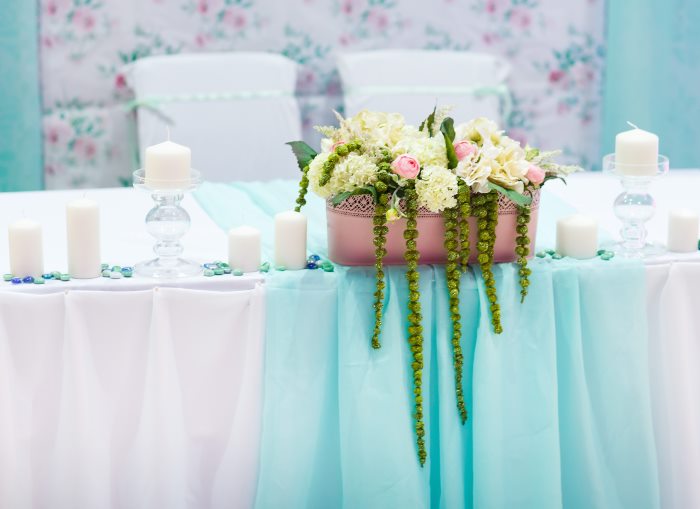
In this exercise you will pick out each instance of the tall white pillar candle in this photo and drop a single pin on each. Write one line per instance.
(83, 239)
(290, 240)
(577, 236)
(167, 165)
(683, 231)
(26, 248)
(636, 152)
(244, 248)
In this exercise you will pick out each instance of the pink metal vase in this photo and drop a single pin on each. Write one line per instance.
(350, 233)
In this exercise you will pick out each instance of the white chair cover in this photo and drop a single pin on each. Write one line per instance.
(413, 82)
(234, 110)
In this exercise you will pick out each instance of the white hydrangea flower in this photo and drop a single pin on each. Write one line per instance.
(430, 151)
(351, 172)
(481, 131)
(437, 188)
(372, 127)
(476, 174)
(314, 174)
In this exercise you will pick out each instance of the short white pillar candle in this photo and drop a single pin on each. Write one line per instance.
(683, 230)
(167, 166)
(637, 152)
(290, 240)
(83, 238)
(577, 236)
(26, 248)
(244, 248)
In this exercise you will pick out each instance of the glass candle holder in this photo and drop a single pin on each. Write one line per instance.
(167, 222)
(635, 205)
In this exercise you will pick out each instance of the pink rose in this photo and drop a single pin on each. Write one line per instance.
(535, 174)
(464, 149)
(406, 166)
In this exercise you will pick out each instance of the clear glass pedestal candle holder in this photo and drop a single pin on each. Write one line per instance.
(635, 206)
(167, 222)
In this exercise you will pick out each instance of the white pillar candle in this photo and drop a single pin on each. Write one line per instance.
(577, 236)
(26, 248)
(290, 240)
(83, 238)
(244, 248)
(683, 231)
(167, 165)
(636, 152)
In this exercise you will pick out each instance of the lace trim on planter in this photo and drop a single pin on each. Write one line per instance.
(362, 205)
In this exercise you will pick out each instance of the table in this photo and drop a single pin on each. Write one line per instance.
(177, 386)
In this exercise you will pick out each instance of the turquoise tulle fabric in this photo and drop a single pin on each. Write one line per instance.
(559, 405)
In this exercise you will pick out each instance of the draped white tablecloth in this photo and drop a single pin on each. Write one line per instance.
(150, 396)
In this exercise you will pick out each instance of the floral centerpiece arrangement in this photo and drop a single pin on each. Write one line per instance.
(456, 170)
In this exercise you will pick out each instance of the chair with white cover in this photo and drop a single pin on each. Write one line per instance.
(413, 82)
(234, 110)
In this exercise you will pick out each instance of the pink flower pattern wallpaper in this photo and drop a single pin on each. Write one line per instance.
(556, 50)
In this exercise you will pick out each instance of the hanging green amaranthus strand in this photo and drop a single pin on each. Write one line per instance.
(380, 231)
(415, 329)
(334, 158)
(486, 211)
(303, 189)
(522, 249)
(464, 204)
(453, 274)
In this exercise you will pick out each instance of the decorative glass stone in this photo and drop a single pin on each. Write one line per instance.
(105, 266)
(16, 281)
(56, 274)
(281, 268)
(607, 256)
(211, 266)
(224, 265)
(550, 252)
(106, 273)
(557, 256)
(312, 265)
(227, 270)
(265, 267)
(219, 271)
(115, 275)
(47, 276)
(116, 268)
(65, 277)
(28, 279)
(127, 273)
(217, 262)
(541, 254)
(127, 269)
(39, 281)
(208, 272)
(237, 272)
(601, 252)
(314, 258)
(328, 268)
(7, 277)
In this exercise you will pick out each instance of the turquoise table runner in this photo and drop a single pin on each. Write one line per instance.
(559, 403)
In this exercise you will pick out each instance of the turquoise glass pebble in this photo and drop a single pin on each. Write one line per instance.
(265, 267)
(607, 255)
(47, 276)
(550, 252)
(218, 271)
(328, 267)
(208, 272)
(65, 277)
(224, 265)
(39, 281)
(127, 273)
(217, 263)
(601, 252)
(116, 268)
(557, 256)
(7, 277)
(237, 272)
(281, 268)
(106, 273)
(115, 275)
(104, 266)
(227, 270)
(56, 274)
(541, 254)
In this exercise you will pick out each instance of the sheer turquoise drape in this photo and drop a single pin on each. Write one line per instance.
(20, 100)
(652, 74)
(559, 404)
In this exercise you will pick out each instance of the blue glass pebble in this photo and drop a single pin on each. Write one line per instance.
(237, 272)
(106, 273)
(314, 257)
(7, 277)
(47, 276)
(16, 281)
(39, 281)
(311, 265)
(28, 279)
(127, 269)
(208, 272)
(211, 266)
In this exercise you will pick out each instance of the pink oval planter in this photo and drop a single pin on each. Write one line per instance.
(351, 236)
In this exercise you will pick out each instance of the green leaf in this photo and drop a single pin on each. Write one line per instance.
(514, 196)
(552, 177)
(340, 198)
(428, 122)
(303, 153)
(447, 128)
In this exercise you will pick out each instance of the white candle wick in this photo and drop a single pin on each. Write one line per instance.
(632, 125)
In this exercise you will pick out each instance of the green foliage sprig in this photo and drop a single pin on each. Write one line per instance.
(522, 249)
(453, 274)
(415, 329)
(380, 231)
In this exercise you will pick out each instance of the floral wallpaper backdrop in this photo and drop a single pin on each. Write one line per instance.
(556, 50)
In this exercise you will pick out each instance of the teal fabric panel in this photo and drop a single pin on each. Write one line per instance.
(559, 403)
(652, 75)
(21, 166)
